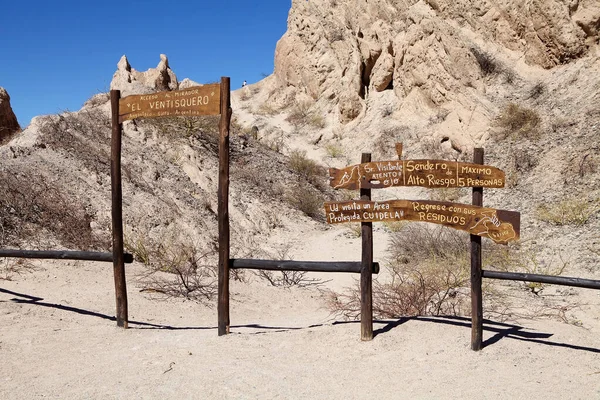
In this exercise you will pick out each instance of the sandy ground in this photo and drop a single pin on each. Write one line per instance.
(59, 340)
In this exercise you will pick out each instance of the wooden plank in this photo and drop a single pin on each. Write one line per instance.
(423, 173)
(366, 274)
(307, 266)
(64, 255)
(193, 101)
(551, 279)
(117, 212)
(476, 290)
(499, 225)
(223, 209)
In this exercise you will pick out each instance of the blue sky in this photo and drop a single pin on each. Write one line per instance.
(57, 54)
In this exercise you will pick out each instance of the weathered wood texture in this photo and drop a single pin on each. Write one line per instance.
(64, 255)
(554, 280)
(223, 209)
(424, 173)
(366, 274)
(117, 212)
(499, 225)
(293, 265)
(476, 290)
(194, 101)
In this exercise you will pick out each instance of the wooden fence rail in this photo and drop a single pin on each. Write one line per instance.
(551, 279)
(64, 255)
(292, 265)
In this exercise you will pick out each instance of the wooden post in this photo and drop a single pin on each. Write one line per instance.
(476, 292)
(366, 274)
(117, 212)
(223, 209)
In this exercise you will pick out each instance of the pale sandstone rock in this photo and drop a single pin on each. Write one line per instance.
(8, 120)
(129, 81)
(345, 49)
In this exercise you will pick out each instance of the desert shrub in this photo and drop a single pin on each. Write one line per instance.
(488, 64)
(306, 199)
(334, 150)
(528, 261)
(316, 121)
(302, 115)
(575, 211)
(285, 278)
(299, 113)
(11, 267)
(185, 127)
(387, 110)
(537, 90)
(519, 121)
(175, 267)
(306, 168)
(428, 278)
(510, 76)
(429, 274)
(34, 208)
(266, 109)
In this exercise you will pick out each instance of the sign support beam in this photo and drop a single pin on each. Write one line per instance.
(366, 274)
(223, 209)
(476, 291)
(117, 212)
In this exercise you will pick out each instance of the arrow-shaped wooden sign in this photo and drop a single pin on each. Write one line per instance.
(425, 173)
(499, 225)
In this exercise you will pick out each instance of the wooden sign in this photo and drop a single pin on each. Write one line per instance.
(194, 101)
(499, 225)
(425, 173)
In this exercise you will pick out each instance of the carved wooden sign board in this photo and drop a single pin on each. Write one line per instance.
(193, 101)
(499, 225)
(424, 173)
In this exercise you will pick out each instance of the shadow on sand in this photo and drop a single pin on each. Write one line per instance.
(501, 330)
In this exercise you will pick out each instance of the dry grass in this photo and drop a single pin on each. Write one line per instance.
(519, 122)
(575, 211)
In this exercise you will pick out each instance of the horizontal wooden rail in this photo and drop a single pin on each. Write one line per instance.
(308, 266)
(556, 280)
(64, 255)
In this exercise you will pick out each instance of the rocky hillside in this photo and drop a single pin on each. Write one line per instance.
(55, 177)
(520, 79)
(517, 78)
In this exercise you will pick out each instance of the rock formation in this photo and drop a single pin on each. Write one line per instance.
(8, 120)
(342, 50)
(129, 81)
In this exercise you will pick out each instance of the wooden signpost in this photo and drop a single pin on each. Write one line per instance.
(210, 99)
(499, 225)
(424, 173)
(190, 102)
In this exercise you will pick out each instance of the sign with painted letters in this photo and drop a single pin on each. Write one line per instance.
(193, 101)
(499, 225)
(424, 173)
